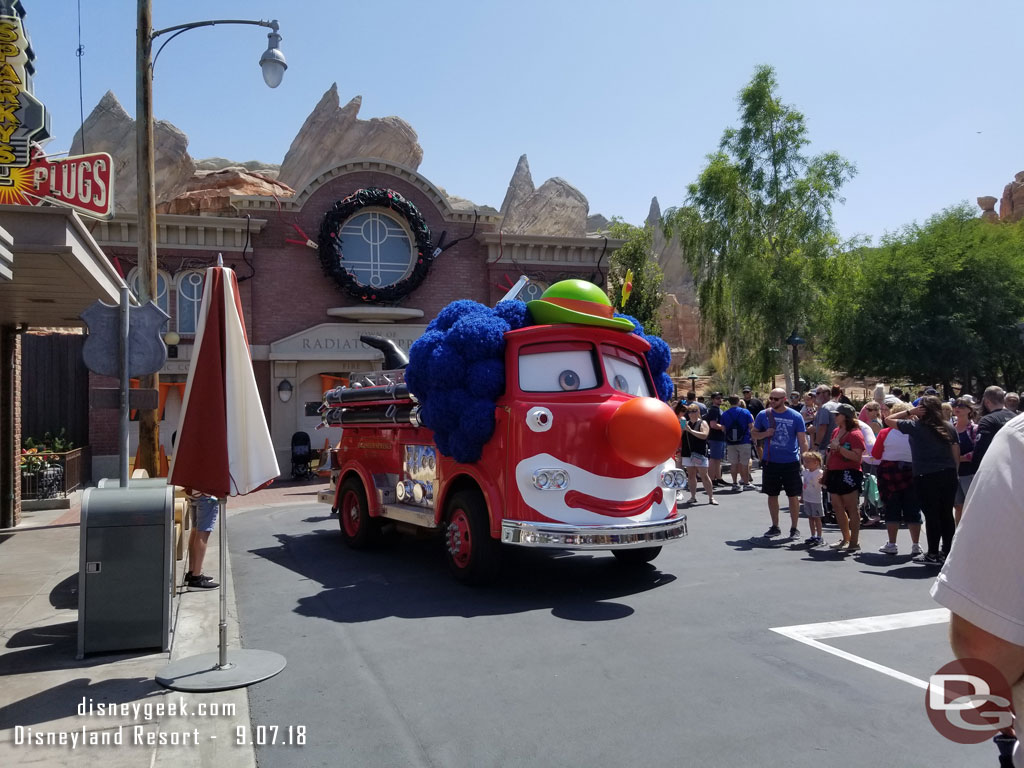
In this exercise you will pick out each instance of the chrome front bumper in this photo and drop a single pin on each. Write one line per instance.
(557, 535)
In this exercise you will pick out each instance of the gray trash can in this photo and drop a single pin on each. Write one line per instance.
(134, 482)
(126, 563)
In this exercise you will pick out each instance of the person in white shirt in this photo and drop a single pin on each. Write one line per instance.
(811, 502)
(981, 581)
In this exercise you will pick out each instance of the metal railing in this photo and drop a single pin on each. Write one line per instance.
(70, 474)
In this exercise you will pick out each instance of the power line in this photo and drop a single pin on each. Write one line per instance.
(80, 52)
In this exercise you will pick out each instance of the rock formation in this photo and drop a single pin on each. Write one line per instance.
(464, 204)
(109, 129)
(597, 223)
(270, 170)
(1011, 207)
(210, 192)
(520, 186)
(680, 318)
(333, 134)
(555, 209)
(988, 208)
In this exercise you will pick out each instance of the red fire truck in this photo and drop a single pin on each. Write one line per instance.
(581, 456)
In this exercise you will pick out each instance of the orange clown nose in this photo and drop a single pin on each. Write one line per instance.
(644, 431)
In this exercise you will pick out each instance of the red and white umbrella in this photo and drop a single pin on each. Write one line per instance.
(223, 448)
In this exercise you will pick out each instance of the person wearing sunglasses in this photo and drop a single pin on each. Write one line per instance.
(786, 440)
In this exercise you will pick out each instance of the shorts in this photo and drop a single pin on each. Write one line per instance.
(779, 476)
(963, 483)
(902, 507)
(694, 460)
(717, 449)
(844, 481)
(813, 510)
(206, 509)
(738, 453)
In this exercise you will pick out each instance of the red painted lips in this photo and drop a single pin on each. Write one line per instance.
(607, 508)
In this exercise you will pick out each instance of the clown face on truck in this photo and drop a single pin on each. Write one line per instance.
(538, 425)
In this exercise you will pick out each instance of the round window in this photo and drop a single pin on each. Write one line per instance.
(376, 245)
(378, 249)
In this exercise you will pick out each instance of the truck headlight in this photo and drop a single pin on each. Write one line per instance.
(551, 479)
(674, 479)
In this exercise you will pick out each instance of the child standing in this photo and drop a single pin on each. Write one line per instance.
(812, 496)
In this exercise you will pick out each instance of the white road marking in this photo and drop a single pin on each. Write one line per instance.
(810, 634)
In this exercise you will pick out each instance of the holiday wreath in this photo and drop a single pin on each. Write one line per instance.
(331, 252)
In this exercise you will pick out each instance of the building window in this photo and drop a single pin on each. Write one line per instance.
(190, 298)
(378, 250)
(163, 280)
(532, 291)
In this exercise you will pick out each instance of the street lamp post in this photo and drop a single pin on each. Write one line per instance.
(693, 380)
(273, 64)
(795, 341)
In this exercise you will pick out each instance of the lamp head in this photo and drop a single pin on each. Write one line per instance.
(272, 62)
(284, 390)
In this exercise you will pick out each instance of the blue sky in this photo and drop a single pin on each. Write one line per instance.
(621, 99)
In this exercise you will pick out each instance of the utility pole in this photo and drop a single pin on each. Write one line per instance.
(149, 425)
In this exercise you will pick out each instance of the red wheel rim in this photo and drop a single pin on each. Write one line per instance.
(350, 513)
(460, 540)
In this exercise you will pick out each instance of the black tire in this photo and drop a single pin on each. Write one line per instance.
(474, 557)
(358, 529)
(636, 556)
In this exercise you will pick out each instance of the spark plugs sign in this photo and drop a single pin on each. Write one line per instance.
(23, 118)
(83, 182)
(27, 176)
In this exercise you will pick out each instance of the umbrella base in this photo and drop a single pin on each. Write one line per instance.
(203, 673)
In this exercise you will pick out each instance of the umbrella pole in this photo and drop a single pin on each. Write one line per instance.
(212, 671)
(223, 543)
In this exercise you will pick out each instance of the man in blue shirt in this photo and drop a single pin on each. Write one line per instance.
(786, 436)
(737, 423)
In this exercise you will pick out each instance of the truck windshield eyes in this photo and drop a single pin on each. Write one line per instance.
(626, 375)
(561, 371)
(569, 380)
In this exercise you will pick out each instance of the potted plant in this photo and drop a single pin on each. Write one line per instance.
(43, 465)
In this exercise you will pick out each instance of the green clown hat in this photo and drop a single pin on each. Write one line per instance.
(577, 301)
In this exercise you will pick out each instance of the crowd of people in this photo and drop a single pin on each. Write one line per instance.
(913, 458)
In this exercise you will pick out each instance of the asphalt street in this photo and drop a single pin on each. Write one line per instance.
(573, 660)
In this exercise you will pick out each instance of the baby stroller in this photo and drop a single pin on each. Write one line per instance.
(302, 455)
(872, 511)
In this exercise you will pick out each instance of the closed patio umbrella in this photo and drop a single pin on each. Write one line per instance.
(223, 448)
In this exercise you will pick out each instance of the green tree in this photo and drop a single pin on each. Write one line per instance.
(936, 303)
(637, 254)
(755, 227)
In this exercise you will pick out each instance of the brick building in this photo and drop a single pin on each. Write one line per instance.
(303, 326)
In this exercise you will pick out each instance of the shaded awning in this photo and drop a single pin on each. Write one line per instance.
(51, 268)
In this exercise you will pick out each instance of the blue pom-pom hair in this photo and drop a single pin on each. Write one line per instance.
(457, 371)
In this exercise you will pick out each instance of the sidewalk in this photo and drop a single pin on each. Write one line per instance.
(47, 693)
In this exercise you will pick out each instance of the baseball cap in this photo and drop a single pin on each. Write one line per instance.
(891, 399)
(747, 389)
(931, 391)
(847, 410)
